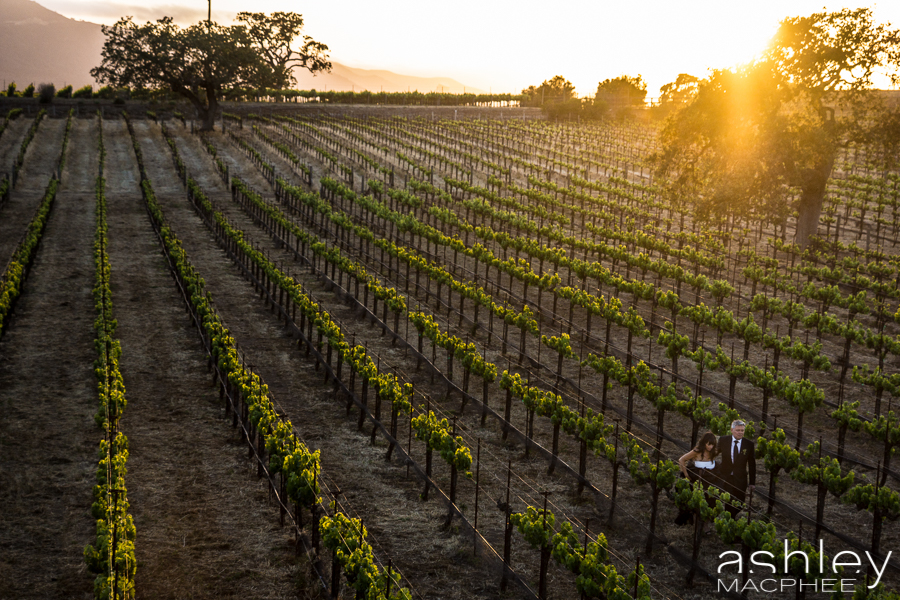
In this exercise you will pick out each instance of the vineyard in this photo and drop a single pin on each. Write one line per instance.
(349, 353)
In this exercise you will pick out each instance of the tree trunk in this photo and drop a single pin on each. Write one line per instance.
(207, 113)
(811, 199)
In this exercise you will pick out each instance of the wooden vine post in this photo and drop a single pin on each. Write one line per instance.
(615, 480)
(507, 534)
(545, 555)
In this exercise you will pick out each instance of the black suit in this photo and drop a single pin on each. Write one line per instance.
(740, 473)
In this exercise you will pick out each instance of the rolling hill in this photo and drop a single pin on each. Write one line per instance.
(39, 45)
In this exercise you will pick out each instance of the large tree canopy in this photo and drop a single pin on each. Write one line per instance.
(200, 61)
(754, 134)
(273, 36)
(197, 62)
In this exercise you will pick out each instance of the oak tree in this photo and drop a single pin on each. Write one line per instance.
(273, 36)
(621, 93)
(755, 134)
(200, 62)
(197, 62)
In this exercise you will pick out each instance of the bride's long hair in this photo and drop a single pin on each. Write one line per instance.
(708, 438)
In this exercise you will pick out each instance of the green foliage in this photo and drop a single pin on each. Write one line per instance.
(562, 345)
(886, 428)
(694, 497)
(65, 92)
(846, 414)
(110, 506)
(643, 470)
(23, 148)
(761, 535)
(14, 277)
(10, 116)
(286, 452)
(535, 525)
(301, 469)
(776, 453)
(388, 386)
(877, 379)
(83, 92)
(826, 470)
(596, 576)
(346, 537)
(871, 498)
(523, 319)
(863, 592)
(466, 353)
(757, 534)
(436, 435)
(590, 428)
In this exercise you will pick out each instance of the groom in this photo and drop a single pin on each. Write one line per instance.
(738, 461)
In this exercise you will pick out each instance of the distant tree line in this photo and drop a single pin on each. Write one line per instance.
(414, 98)
(45, 92)
(616, 98)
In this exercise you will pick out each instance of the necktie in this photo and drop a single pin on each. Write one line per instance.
(734, 451)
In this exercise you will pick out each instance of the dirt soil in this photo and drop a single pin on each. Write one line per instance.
(11, 141)
(40, 162)
(48, 439)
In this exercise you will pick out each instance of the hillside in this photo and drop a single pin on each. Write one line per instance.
(344, 78)
(25, 57)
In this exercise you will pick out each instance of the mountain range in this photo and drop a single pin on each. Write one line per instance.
(344, 78)
(39, 45)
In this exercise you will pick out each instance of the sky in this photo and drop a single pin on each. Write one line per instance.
(505, 46)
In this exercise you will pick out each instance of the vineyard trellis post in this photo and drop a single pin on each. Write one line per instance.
(545, 554)
(507, 534)
(477, 493)
(615, 479)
